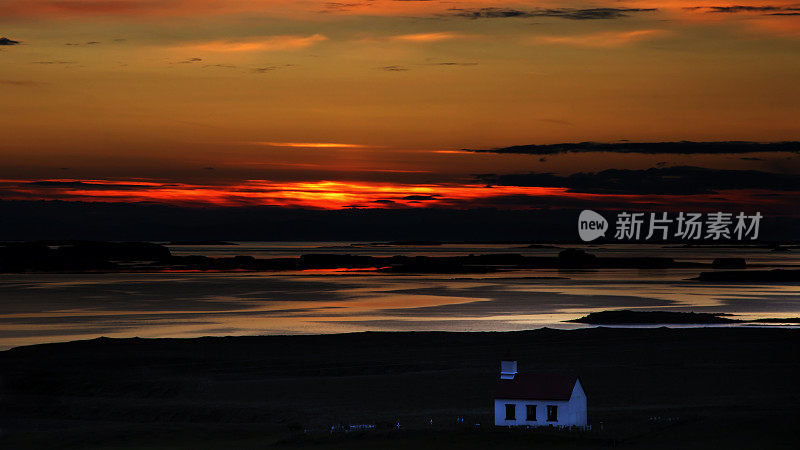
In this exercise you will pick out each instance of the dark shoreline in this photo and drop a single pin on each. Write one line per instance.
(728, 386)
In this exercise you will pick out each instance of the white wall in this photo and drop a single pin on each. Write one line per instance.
(570, 413)
(578, 406)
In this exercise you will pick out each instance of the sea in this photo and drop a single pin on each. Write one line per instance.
(41, 308)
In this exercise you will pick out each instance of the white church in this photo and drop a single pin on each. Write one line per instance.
(523, 399)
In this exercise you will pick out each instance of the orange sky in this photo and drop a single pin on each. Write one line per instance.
(200, 92)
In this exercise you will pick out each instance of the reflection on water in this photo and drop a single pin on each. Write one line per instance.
(37, 308)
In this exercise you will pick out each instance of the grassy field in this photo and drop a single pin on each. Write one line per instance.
(647, 388)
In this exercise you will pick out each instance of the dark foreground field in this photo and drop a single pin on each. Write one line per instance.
(647, 388)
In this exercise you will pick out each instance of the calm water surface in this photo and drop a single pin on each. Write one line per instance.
(36, 308)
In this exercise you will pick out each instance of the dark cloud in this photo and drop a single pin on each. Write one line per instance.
(399, 68)
(190, 60)
(7, 41)
(421, 197)
(53, 62)
(490, 13)
(270, 68)
(83, 185)
(516, 202)
(333, 7)
(563, 13)
(76, 44)
(678, 180)
(733, 9)
(221, 66)
(683, 147)
(739, 8)
(453, 63)
(394, 68)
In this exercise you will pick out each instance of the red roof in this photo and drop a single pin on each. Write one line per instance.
(536, 387)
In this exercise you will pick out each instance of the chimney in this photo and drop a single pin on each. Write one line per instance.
(508, 368)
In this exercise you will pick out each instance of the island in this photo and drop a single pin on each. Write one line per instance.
(629, 317)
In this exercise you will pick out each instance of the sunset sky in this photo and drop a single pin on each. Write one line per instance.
(364, 103)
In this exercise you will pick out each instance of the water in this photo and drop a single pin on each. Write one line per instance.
(37, 308)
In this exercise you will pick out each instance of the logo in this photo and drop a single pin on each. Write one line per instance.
(591, 225)
(665, 226)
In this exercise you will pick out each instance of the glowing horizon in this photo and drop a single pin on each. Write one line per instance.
(372, 195)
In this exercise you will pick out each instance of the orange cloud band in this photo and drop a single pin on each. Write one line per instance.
(338, 195)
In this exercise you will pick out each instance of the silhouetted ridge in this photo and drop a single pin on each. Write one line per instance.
(680, 147)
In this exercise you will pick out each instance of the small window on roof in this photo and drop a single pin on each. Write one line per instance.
(552, 413)
(531, 413)
(511, 410)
